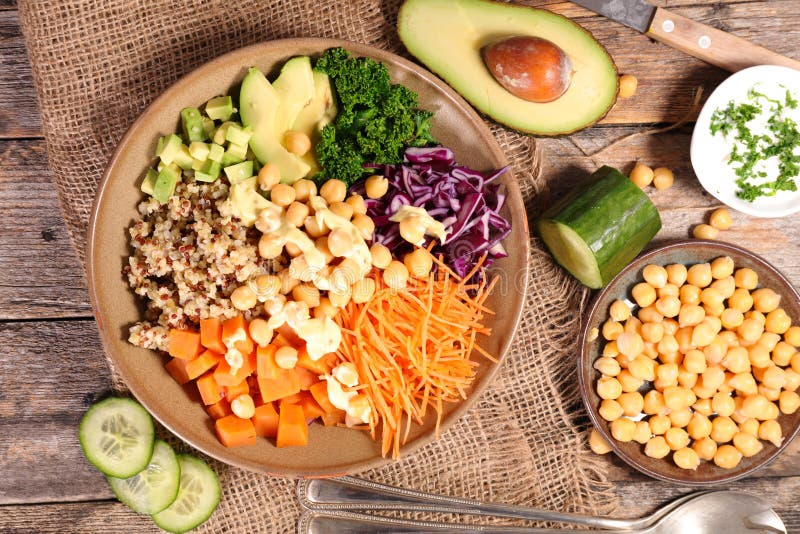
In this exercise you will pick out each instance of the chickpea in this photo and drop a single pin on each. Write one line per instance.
(668, 373)
(705, 448)
(396, 276)
(792, 376)
(777, 322)
(737, 360)
(670, 326)
(631, 403)
(703, 406)
(690, 315)
(656, 447)
(669, 290)
(677, 438)
(783, 353)
(269, 247)
(381, 257)
(315, 227)
(705, 231)
(376, 186)
(680, 418)
(792, 336)
(243, 406)
(702, 335)
(292, 249)
(747, 444)
(699, 426)
(689, 294)
(288, 281)
(296, 214)
(419, 263)
(676, 274)
(607, 387)
(723, 404)
(750, 330)
(723, 429)
(727, 457)
(687, 379)
(771, 394)
(364, 225)
(358, 204)
(668, 344)
(663, 178)
(297, 142)
(788, 402)
(659, 424)
(627, 85)
(286, 357)
(260, 332)
(340, 243)
(619, 311)
(597, 443)
(652, 332)
(607, 366)
(771, 431)
(686, 458)
(699, 275)
(678, 397)
(628, 381)
(342, 209)
(765, 300)
(629, 343)
(610, 410)
(644, 294)
(610, 349)
(668, 306)
(726, 286)
(774, 377)
(713, 377)
(333, 190)
(307, 293)
(363, 290)
(649, 314)
(325, 308)
(266, 286)
(268, 177)
(654, 403)
(243, 298)
(321, 244)
(633, 326)
(745, 278)
(756, 406)
(282, 195)
(731, 318)
(642, 433)
(304, 189)
(623, 429)
(641, 175)
(720, 218)
(655, 275)
(340, 297)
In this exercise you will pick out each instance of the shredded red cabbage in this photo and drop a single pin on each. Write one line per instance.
(465, 201)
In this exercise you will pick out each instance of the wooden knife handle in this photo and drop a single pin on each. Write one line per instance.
(711, 45)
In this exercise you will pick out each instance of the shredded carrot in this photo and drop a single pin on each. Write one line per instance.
(413, 348)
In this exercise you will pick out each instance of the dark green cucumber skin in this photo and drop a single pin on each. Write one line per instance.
(612, 215)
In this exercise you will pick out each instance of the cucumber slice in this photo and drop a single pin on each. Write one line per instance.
(117, 436)
(197, 499)
(597, 229)
(152, 490)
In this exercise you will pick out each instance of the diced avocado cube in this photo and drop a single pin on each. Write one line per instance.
(160, 145)
(170, 149)
(234, 154)
(183, 158)
(209, 127)
(149, 181)
(192, 122)
(240, 171)
(220, 108)
(209, 172)
(238, 135)
(160, 166)
(215, 152)
(166, 181)
(198, 164)
(199, 150)
(222, 131)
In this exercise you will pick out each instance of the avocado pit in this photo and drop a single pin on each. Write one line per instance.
(531, 68)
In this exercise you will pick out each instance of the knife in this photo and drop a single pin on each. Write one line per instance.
(704, 42)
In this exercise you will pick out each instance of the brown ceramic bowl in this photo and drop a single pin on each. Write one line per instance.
(331, 450)
(687, 252)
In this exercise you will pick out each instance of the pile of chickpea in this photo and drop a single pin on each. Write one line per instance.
(296, 203)
(716, 357)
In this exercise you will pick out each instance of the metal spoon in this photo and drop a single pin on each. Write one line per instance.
(705, 513)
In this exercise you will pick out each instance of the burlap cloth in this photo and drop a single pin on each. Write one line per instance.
(98, 63)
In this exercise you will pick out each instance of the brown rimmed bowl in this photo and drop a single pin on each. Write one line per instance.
(687, 252)
(331, 450)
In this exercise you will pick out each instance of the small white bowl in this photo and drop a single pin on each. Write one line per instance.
(708, 153)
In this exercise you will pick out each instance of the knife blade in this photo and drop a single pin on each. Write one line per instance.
(699, 40)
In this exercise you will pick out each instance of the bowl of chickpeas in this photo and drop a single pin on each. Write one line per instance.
(689, 364)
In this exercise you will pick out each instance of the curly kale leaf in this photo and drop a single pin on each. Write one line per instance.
(376, 120)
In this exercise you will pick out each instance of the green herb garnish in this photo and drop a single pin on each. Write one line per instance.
(749, 149)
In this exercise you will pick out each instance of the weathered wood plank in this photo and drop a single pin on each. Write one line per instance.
(8, 4)
(19, 111)
(39, 273)
(637, 499)
(49, 375)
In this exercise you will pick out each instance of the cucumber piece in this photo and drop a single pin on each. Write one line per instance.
(597, 229)
(192, 123)
(117, 436)
(153, 489)
(197, 498)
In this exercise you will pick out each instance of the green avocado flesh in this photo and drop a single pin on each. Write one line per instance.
(448, 35)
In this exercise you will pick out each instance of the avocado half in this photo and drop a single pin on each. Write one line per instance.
(448, 35)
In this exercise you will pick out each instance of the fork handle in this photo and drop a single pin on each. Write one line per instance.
(354, 494)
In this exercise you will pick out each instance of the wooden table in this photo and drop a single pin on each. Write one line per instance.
(52, 367)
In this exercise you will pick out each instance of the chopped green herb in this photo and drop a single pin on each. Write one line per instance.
(751, 149)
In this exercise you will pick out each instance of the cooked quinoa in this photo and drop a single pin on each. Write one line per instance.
(188, 256)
